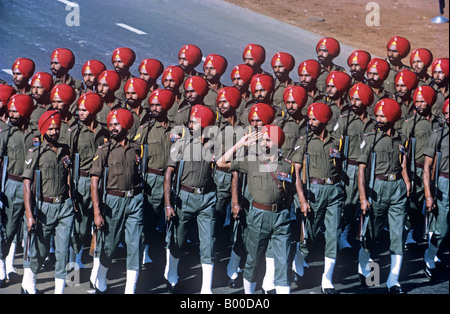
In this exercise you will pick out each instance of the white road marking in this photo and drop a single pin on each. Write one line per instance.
(70, 3)
(132, 29)
(9, 71)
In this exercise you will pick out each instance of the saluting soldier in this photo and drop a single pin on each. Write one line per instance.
(155, 134)
(271, 184)
(420, 61)
(122, 59)
(418, 127)
(282, 64)
(389, 194)
(377, 73)
(397, 49)
(121, 214)
(196, 198)
(327, 50)
(23, 70)
(322, 204)
(338, 84)
(353, 125)
(438, 204)
(405, 83)
(55, 207)
(84, 136)
(90, 71)
(214, 67)
(358, 61)
(15, 140)
(440, 72)
(135, 92)
(308, 72)
(41, 84)
(108, 84)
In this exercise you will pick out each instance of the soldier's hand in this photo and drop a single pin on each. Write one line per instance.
(236, 209)
(305, 208)
(31, 224)
(169, 213)
(250, 139)
(99, 222)
(429, 203)
(365, 207)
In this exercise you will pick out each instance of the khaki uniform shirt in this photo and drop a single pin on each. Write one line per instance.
(439, 137)
(292, 132)
(322, 79)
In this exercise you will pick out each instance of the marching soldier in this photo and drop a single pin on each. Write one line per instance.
(417, 130)
(155, 137)
(282, 64)
(90, 71)
(327, 50)
(122, 59)
(135, 92)
(389, 193)
(397, 49)
(437, 205)
(440, 72)
(62, 61)
(15, 140)
(54, 214)
(41, 84)
(405, 83)
(189, 57)
(338, 84)
(6, 92)
(61, 97)
(322, 203)
(149, 71)
(351, 128)
(308, 72)
(271, 183)
(261, 87)
(214, 67)
(23, 70)
(84, 136)
(194, 198)
(241, 76)
(358, 61)
(377, 73)
(108, 84)
(172, 80)
(254, 55)
(420, 61)
(118, 213)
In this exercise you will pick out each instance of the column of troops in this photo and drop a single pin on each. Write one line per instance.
(102, 160)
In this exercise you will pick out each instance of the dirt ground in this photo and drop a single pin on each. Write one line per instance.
(345, 20)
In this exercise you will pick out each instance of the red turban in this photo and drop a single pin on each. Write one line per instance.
(164, 97)
(95, 66)
(362, 57)
(390, 108)
(311, 66)
(112, 79)
(91, 101)
(231, 94)
(139, 85)
(427, 93)
(199, 84)
(153, 67)
(381, 65)
(257, 52)
(408, 77)
(402, 44)
(219, 63)
(6, 92)
(64, 56)
(331, 44)
(443, 63)
(192, 53)
(445, 106)
(285, 58)
(45, 79)
(176, 72)
(298, 93)
(125, 54)
(65, 92)
(320, 111)
(424, 54)
(23, 103)
(264, 111)
(25, 66)
(275, 133)
(364, 92)
(342, 81)
(123, 116)
(245, 72)
(265, 80)
(206, 115)
(47, 119)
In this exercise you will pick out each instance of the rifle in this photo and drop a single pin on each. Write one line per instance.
(436, 184)
(303, 220)
(364, 218)
(37, 196)
(5, 162)
(174, 195)
(412, 147)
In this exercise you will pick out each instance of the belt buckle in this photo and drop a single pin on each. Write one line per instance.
(274, 207)
(328, 181)
(129, 193)
(57, 200)
(198, 191)
(392, 177)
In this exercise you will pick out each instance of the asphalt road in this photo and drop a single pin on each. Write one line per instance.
(33, 29)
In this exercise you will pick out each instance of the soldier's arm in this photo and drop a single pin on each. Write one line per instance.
(405, 174)
(429, 200)
(27, 200)
(167, 187)
(236, 208)
(305, 208)
(95, 197)
(247, 140)
(362, 188)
